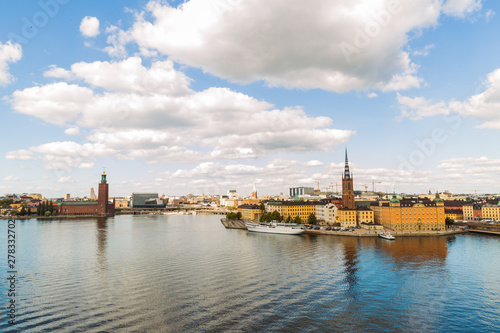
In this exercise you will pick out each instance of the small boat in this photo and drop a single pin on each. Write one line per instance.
(275, 228)
(386, 235)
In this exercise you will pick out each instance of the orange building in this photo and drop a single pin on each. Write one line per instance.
(410, 214)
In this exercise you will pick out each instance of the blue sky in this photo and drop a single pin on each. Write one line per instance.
(203, 96)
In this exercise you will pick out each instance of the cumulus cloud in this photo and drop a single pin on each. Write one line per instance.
(152, 113)
(333, 45)
(9, 53)
(485, 105)
(416, 108)
(89, 26)
(11, 178)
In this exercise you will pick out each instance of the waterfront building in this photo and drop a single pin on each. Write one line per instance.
(146, 200)
(347, 187)
(101, 207)
(472, 211)
(250, 212)
(121, 202)
(491, 211)
(326, 213)
(274, 206)
(298, 208)
(364, 215)
(454, 214)
(410, 214)
(295, 192)
(347, 217)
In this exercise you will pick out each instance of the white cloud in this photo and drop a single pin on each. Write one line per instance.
(485, 105)
(489, 15)
(332, 45)
(152, 113)
(59, 73)
(416, 108)
(461, 8)
(11, 178)
(21, 154)
(72, 131)
(9, 53)
(89, 27)
(66, 179)
(372, 95)
(425, 51)
(118, 40)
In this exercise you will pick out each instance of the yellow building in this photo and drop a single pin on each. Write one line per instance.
(454, 214)
(347, 217)
(250, 212)
(410, 214)
(491, 212)
(36, 196)
(364, 215)
(274, 206)
(298, 208)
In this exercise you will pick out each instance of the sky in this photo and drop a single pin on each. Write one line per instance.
(204, 96)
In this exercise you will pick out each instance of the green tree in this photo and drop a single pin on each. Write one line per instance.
(51, 207)
(262, 207)
(47, 213)
(312, 219)
(238, 215)
(23, 211)
(297, 219)
(14, 212)
(449, 221)
(289, 219)
(39, 209)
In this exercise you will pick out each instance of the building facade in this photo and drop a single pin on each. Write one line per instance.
(250, 212)
(347, 217)
(298, 208)
(296, 191)
(146, 200)
(410, 214)
(327, 213)
(491, 212)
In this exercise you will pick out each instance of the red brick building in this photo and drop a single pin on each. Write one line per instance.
(101, 207)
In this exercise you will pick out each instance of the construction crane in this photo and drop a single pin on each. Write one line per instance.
(373, 185)
(366, 187)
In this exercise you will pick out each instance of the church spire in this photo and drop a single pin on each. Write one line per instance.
(347, 174)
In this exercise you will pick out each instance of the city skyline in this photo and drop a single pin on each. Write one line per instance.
(206, 96)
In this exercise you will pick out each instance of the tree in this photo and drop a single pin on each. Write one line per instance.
(297, 219)
(289, 219)
(449, 221)
(23, 211)
(51, 207)
(47, 213)
(312, 219)
(238, 215)
(39, 209)
(262, 207)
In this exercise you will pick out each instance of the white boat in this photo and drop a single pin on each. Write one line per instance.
(386, 235)
(275, 228)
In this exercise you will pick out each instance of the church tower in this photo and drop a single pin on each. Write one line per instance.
(102, 199)
(347, 186)
(254, 193)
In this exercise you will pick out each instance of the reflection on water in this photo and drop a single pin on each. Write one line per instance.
(416, 249)
(188, 273)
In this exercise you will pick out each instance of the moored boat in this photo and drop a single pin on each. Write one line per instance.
(275, 228)
(386, 235)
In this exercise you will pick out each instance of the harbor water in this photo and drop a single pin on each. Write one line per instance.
(190, 274)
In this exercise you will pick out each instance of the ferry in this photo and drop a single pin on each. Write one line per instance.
(386, 235)
(275, 228)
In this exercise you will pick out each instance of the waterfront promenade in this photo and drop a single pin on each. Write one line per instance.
(240, 224)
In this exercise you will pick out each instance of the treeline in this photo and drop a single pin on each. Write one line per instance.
(45, 208)
(233, 216)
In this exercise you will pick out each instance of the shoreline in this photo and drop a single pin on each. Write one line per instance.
(240, 225)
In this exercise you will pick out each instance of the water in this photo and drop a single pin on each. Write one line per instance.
(189, 274)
